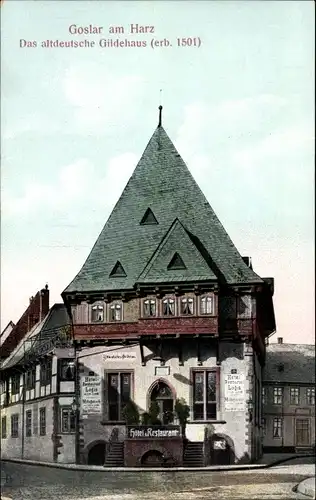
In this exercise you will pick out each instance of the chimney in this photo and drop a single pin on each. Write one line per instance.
(44, 303)
(280, 340)
(247, 261)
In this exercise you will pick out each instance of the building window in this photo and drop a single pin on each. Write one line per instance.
(4, 427)
(310, 395)
(264, 426)
(97, 313)
(244, 306)
(46, 372)
(168, 307)
(15, 425)
(277, 427)
(68, 420)
(277, 395)
(15, 387)
(294, 396)
(149, 307)
(116, 312)
(66, 370)
(264, 395)
(28, 423)
(206, 305)
(204, 395)
(30, 378)
(118, 394)
(187, 306)
(42, 421)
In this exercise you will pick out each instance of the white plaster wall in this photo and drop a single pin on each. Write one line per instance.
(179, 379)
(38, 447)
(12, 447)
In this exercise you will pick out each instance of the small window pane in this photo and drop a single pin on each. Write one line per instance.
(187, 306)
(198, 411)
(149, 308)
(168, 307)
(97, 313)
(116, 312)
(198, 387)
(206, 305)
(211, 386)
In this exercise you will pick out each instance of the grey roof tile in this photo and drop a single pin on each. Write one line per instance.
(163, 183)
(298, 361)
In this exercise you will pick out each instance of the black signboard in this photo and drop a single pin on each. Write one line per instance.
(153, 431)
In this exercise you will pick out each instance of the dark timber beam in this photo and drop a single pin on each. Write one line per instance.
(141, 348)
(218, 361)
(198, 350)
(180, 351)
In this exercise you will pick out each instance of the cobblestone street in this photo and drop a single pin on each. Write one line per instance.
(25, 482)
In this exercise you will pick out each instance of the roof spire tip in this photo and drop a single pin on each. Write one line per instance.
(160, 116)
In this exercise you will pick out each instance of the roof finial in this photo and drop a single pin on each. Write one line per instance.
(160, 116)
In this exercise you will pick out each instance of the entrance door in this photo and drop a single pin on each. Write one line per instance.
(302, 432)
(163, 395)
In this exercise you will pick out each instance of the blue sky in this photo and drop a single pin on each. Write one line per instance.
(75, 121)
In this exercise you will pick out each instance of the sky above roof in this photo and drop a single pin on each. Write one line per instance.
(75, 121)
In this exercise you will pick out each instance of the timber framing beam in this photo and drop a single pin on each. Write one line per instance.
(141, 348)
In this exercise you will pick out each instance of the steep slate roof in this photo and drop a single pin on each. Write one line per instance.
(176, 240)
(297, 361)
(40, 335)
(163, 183)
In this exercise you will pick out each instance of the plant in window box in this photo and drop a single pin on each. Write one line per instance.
(131, 414)
(182, 411)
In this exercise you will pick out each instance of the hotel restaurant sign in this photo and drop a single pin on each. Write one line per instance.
(153, 432)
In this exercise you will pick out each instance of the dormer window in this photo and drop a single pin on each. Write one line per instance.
(187, 306)
(149, 307)
(97, 313)
(168, 307)
(206, 305)
(116, 312)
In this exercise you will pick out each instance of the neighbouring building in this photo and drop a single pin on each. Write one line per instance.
(33, 314)
(165, 307)
(38, 419)
(288, 398)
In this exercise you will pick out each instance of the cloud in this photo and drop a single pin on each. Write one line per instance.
(97, 96)
(76, 182)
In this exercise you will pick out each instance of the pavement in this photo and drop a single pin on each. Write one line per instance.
(268, 460)
(287, 480)
(307, 487)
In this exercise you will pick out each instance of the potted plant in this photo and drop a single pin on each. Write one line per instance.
(131, 413)
(182, 411)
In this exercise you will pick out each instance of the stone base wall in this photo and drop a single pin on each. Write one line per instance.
(135, 449)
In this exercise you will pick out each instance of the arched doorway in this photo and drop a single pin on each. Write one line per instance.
(96, 455)
(162, 394)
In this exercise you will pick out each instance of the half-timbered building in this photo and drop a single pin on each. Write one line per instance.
(165, 307)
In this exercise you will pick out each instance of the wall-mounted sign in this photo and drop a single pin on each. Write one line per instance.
(153, 432)
(119, 356)
(235, 392)
(91, 400)
(162, 371)
(220, 444)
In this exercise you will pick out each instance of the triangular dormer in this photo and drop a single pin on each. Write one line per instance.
(161, 181)
(176, 263)
(177, 258)
(118, 271)
(148, 218)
